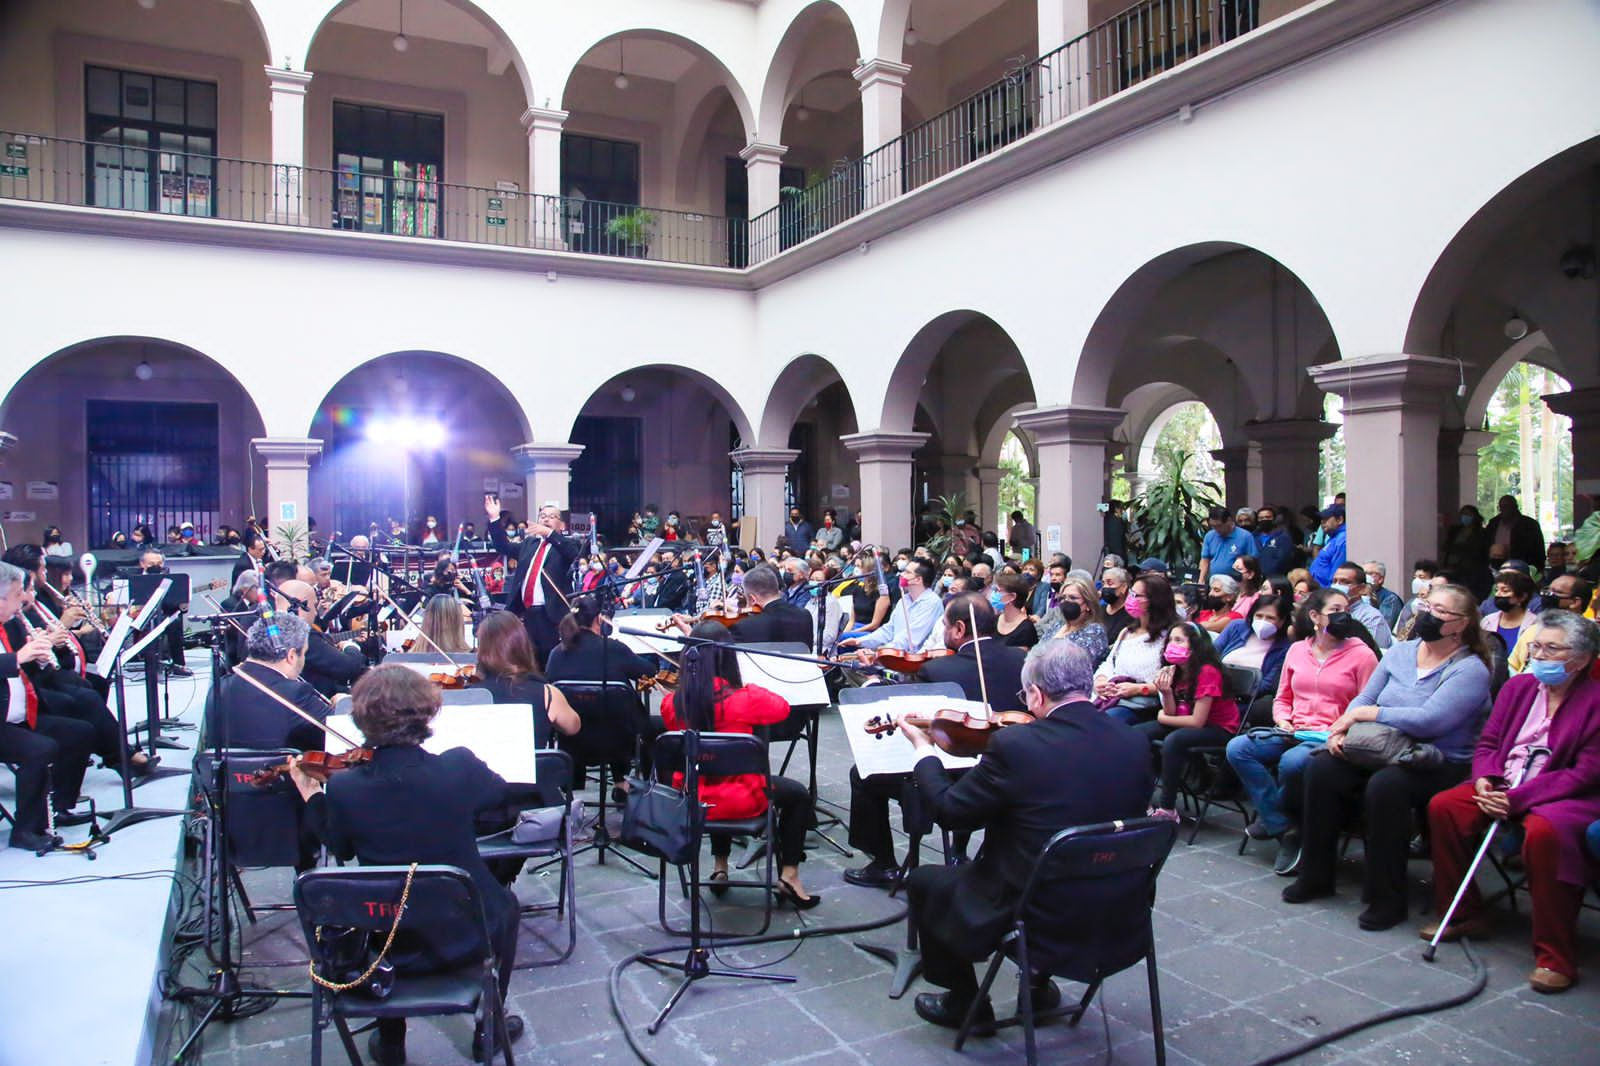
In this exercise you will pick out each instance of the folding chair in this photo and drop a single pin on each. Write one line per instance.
(444, 919)
(1239, 683)
(1084, 915)
(803, 724)
(554, 771)
(717, 755)
(613, 720)
(263, 827)
(457, 697)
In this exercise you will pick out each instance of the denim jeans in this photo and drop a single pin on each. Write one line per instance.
(1253, 760)
(1592, 839)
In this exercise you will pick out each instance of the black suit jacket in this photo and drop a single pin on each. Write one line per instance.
(1076, 767)
(1002, 671)
(328, 669)
(594, 658)
(408, 805)
(245, 717)
(778, 622)
(673, 592)
(557, 577)
(240, 565)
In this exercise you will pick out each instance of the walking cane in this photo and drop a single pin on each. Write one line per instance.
(1483, 849)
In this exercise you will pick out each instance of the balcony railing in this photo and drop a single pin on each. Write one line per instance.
(151, 180)
(1147, 39)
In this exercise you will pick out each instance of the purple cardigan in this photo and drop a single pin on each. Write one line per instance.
(1566, 793)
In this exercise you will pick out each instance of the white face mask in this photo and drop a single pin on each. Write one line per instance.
(1264, 629)
(1419, 587)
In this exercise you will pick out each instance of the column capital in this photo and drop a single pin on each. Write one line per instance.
(1373, 383)
(283, 80)
(282, 452)
(1232, 453)
(1070, 424)
(989, 475)
(544, 119)
(1575, 404)
(764, 460)
(880, 71)
(762, 152)
(538, 458)
(883, 447)
(1288, 432)
(1465, 441)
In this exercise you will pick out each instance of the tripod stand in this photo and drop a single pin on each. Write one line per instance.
(225, 991)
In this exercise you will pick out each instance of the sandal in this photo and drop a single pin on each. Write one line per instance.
(719, 883)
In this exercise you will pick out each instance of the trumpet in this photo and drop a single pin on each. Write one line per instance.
(67, 601)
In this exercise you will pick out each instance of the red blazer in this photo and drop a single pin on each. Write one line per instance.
(738, 710)
(1566, 793)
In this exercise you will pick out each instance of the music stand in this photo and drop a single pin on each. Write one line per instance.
(111, 660)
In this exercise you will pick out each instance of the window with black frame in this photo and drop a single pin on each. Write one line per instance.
(154, 464)
(1157, 35)
(600, 179)
(390, 166)
(154, 142)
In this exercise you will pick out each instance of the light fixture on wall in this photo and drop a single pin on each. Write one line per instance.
(1516, 327)
(627, 394)
(148, 5)
(911, 33)
(144, 371)
(621, 80)
(401, 41)
(802, 113)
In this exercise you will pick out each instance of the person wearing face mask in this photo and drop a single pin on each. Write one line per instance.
(1388, 603)
(1332, 554)
(913, 618)
(1555, 707)
(1274, 545)
(1517, 533)
(1008, 598)
(830, 536)
(430, 533)
(1321, 675)
(1434, 690)
(1114, 614)
(1044, 597)
(1077, 618)
(1124, 683)
(1351, 580)
(1513, 594)
(1259, 642)
(1423, 573)
(1220, 607)
(1566, 593)
(1195, 709)
(1466, 551)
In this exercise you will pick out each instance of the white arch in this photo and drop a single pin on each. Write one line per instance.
(778, 88)
(724, 73)
(1534, 348)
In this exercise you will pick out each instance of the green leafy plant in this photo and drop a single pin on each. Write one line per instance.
(949, 510)
(1587, 539)
(633, 228)
(1171, 515)
(292, 539)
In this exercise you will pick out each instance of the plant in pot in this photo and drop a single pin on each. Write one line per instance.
(633, 230)
(1171, 514)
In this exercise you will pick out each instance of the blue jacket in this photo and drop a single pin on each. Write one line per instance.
(1330, 558)
(1275, 552)
(1234, 637)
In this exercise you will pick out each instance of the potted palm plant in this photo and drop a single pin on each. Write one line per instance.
(1171, 514)
(633, 230)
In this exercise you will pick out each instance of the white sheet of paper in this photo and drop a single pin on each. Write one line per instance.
(152, 603)
(133, 652)
(799, 683)
(892, 753)
(647, 621)
(501, 734)
(113, 644)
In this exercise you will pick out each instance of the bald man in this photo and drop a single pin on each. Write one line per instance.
(328, 669)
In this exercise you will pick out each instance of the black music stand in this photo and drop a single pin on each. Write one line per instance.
(112, 656)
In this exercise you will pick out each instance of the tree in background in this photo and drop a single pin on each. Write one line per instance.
(1330, 478)
(1531, 455)
(1017, 492)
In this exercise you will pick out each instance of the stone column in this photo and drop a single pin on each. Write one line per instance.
(882, 83)
(1241, 475)
(1458, 466)
(288, 462)
(547, 469)
(764, 472)
(1060, 21)
(1072, 470)
(1290, 455)
(989, 516)
(1583, 407)
(886, 496)
(287, 100)
(545, 214)
(763, 163)
(1392, 406)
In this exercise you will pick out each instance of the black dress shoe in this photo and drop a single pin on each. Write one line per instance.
(385, 1054)
(68, 819)
(21, 838)
(1302, 891)
(1376, 920)
(1045, 997)
(514, 1028)
(938, 1008)
(184, 671)
(873, 875)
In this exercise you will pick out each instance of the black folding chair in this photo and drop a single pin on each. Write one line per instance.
(613, 721)
(263, 820)
(444, 920)
(1084, 915)
(1208, 763)
(554, 770)
(803, 724)
(717, 755)
(907, 961)
(458, 697)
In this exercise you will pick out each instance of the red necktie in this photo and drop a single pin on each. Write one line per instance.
(27, 686)
(531, 585)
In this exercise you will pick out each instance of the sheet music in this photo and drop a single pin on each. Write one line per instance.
(892, 753)
(501, 734)
(144, 642)
(800, 683)
(113, 644)
(645, 620)
(152, 603)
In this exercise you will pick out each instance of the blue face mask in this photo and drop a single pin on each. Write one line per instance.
(994, 601)
(1340, 587)
(1547, 671)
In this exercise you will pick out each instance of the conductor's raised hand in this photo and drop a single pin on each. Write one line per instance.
(491, 506)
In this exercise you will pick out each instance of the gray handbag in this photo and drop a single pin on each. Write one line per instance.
(1373, 745)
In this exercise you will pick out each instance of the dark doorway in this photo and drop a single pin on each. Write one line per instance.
(606, 478)
(152, 464)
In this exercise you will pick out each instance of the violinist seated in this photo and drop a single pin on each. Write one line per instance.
(778, 621)
(246, 596)
(408, 805)
(444, 626)
(330, 592)
(1072, 766)
(912, 620)
(246, 717)
(1001, 677)
(447, 581)
(506, 668)
(586, 654)
(328, 668)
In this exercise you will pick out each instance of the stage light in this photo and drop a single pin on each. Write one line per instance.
(430, 433)
(379, 431)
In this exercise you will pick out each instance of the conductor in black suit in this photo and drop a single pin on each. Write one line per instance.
(1001, 678)
(543, 589)
(1072, 766)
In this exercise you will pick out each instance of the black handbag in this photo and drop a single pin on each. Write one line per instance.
(659, 820)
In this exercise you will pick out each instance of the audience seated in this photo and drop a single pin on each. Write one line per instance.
(1555, 801)
(1194, 707)
(1321, 674)
(1351, 580)
(1567, 592)
(1124, 683)
(1220, 607)
(1514, 611)
(1435, 690)
(1425, 574)
(1260, 642)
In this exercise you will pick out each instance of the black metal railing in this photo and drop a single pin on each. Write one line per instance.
(1146, 39)
(124, 178)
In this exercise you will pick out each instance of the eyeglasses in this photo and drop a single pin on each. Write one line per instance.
(1022, 697)
(1439, 612)
(1537, 650)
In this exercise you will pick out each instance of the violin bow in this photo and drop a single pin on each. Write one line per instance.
(977, 653)
(324, 726)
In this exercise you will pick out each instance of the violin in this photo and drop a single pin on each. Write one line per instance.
(459, 677)
(317, 764)
(959, 733)
(909, 662)
(728, 615)
(665, 679)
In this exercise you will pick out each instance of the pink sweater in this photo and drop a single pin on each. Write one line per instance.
(1312, 694)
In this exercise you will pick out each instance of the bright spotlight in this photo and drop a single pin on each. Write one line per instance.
(429, 433)
(379, 431)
